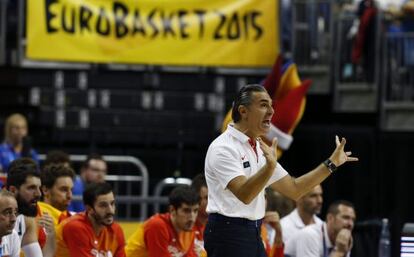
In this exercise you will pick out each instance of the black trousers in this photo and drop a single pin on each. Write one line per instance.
(233, 237)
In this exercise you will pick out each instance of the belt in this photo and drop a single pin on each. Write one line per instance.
(242, 221)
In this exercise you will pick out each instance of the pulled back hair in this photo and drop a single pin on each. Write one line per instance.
(183, 194)
(93, 190)
(52, 172)
(244, 97)
(19, 170)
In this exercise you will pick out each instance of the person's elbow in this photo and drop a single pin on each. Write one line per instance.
(296, 196)
(244, 198)
(238, 187)
(295, 192)
(290, 187)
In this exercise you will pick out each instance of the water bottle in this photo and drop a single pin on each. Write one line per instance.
(384, 246)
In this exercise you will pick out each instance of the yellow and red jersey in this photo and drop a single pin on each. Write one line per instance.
(57, 215)
(157, 238)
(76, 237)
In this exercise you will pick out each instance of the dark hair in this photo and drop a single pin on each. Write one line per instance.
(198, 182)
(92, 156)
(244, 97)
(183, 194)
(56, 157)
(93, 190)
(52, 172)
(333, 207)
(19, 170)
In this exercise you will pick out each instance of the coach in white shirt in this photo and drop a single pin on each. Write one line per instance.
(239, 165)
(304, 214)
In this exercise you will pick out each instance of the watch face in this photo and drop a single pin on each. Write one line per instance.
(330, 165)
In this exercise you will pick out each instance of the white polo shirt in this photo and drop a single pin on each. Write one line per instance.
(10, 245)
(309, 242)
(230, 155)
(292, 223)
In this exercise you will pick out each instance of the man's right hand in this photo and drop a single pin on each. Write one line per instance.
(46, 222)
(343, 241)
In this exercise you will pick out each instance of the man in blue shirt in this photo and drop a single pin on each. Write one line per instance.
(94, 170)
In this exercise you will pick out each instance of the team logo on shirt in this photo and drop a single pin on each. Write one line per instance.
(246, 164)
(174, 251)
(97, 253)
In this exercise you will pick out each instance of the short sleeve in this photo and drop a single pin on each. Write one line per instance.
(278, 174)
(224, 163)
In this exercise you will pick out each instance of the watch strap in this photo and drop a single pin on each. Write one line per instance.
(330, 165)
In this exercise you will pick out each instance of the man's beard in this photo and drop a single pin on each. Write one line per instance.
(101, 220)
(25, 208)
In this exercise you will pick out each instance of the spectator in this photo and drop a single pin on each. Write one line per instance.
(94, 170)
(333, 238)
(304, 214)
(16, 142)
(57, 184)
(199, 185)
(168, 234)
(9, 239)
(94, 232)
(23, 181)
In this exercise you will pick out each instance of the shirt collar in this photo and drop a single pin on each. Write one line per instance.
(326, 236)
(297, 219)
(237, 133)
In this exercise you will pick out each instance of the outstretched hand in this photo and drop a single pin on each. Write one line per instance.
(339, 156)
(269, 152)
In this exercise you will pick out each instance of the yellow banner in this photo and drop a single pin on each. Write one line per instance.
(159, 32)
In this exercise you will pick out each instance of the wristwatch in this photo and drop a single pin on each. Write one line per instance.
(330, 165)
